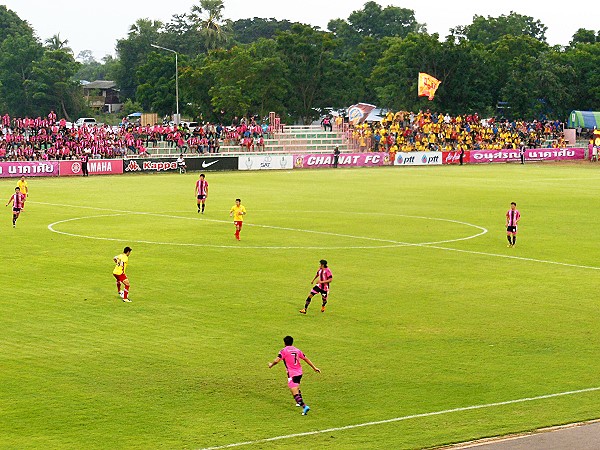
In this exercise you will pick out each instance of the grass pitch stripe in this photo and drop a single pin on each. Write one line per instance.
(399, 419)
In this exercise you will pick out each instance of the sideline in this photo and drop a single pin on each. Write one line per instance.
(398, 419)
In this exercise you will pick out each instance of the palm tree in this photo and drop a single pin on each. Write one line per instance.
(145, 27)
(208, 19)
(54, 43)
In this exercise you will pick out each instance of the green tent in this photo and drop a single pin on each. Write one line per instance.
(584, 119)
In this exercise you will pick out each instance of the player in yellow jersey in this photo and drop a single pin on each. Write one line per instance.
(237, 212)
(121, 262)
(24, 188)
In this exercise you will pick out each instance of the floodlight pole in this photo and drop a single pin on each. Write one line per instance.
(176, 79)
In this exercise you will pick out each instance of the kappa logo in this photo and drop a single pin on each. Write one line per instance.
(133, 166)
(208, 164)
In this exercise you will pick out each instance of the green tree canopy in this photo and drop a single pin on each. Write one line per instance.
(486, 30)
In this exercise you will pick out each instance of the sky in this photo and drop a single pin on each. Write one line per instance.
(97, 26)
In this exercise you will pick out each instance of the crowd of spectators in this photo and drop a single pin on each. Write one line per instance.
(46, 138)
(425, 131)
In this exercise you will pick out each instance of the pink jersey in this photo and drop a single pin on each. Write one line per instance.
(18, 200)
(324, 274)
(512, 217)
(202, 187)
(291, 357)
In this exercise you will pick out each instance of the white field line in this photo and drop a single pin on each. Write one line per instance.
(399, 419)
(393, 243)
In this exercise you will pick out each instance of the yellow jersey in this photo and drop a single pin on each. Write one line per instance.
(238, 213)
(22, 186)
(122, 260)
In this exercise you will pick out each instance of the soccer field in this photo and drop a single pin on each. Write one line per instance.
(435, 331)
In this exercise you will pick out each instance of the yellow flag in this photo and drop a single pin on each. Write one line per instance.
(427, 85)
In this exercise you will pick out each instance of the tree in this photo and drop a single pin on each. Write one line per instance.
(373, 21)
(583, 36)
(182, 35)
(306, 53)
(17, 54)
(12, 25)
(492, 29)
(195, 81)
(133, 52)
(208, 17)
(247, 31)
(86, 57)
(130, 107)
(52, 87)
(55, 43)
(584, 60)
(396, 74)
(156, 89)
(18, 49)
(248, 80)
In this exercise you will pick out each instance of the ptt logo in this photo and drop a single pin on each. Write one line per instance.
(424, 159)
(399, 159)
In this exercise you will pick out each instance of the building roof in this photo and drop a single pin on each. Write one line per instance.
(100, 84)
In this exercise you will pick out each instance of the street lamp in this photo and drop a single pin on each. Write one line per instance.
(176, 80)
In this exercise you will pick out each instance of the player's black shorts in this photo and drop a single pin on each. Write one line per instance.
(16, 210)
(511, 229)
(318, 290)
(201, 197)
(297, 379)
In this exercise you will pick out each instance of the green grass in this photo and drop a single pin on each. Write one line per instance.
(409, 329)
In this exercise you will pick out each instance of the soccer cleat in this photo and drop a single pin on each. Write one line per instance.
(127, 300)
(302, 311)
(322, 309)
(305, 410)
(298, 404)
(509, 245)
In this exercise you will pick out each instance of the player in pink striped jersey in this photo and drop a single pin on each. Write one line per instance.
(512, 221)
(17, 200)
(291, 357)
(201, 192)
(322, 287)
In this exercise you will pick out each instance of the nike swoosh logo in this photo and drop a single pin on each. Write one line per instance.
(205, 164)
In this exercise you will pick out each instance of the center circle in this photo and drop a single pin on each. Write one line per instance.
(385, 243)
